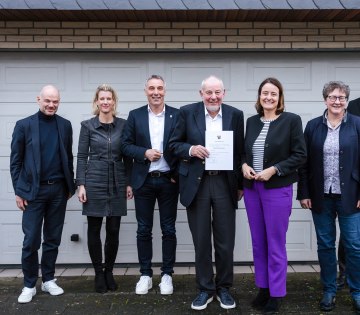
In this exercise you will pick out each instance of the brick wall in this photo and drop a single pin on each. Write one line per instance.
(179, 35)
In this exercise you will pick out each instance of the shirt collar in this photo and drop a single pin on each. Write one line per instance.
(157, 115)
(325, 115)
(219, 114)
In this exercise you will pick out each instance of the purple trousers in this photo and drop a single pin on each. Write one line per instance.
(268, 212)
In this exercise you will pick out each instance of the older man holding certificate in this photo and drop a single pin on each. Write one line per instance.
(208, 139)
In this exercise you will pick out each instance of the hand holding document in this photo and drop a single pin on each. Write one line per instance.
(220, 144)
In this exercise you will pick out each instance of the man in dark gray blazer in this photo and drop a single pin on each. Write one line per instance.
(353, 108)
(154, 178)
(210, 197)
(41, 167)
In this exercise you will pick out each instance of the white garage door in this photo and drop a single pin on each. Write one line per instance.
(78, 74)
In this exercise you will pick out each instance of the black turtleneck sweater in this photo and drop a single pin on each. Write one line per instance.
(51, 167)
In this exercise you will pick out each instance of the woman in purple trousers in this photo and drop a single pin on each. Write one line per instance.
(274, 150)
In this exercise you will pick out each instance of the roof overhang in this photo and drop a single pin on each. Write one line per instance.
(180, 10)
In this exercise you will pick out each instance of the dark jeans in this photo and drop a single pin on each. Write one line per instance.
(47, 213)
(326, 235)
(166, 194)
(111, 241)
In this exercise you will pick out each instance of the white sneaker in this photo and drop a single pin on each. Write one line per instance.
(51, 287)
(166, 286)
(144, 285)
(26, 295)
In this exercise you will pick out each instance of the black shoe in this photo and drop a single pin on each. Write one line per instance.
(341, 281)
(261, 298)
(273, 305)
(225, 299)
(110, 281)
(201, 301)
(100, 283)
(327, 303)
(356, 303)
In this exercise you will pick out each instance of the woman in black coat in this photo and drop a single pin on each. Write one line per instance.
(103, 182)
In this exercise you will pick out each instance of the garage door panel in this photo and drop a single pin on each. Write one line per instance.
(188, 74)
(7, 197)
(294, 75)
(243, 247)
(347, 71)
(77, 252)
(127, 247)
(123, 74)
(306, 110)
(11, 236)
(185, 247)
(301, 239)
(26, 77)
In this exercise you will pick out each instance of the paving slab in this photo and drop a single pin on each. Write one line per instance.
(71, 272)
(316, 268)
(242, 269)
(303, 268)
(10, 273)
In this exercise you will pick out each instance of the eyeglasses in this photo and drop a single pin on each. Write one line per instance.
(333, 98)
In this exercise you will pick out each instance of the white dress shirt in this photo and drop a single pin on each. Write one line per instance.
(156, 130)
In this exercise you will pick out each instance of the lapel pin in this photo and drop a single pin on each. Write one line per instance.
(170, 116)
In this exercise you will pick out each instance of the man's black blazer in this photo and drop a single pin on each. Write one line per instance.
(136, 140)
(190, 130)
(354, 107)
(25, 163)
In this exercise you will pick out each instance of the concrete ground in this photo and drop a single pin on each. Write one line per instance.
(304, 292)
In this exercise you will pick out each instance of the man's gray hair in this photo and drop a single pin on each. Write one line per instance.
(212, 77)
(155, 76)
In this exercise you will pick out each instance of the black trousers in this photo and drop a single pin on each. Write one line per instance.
(111, 242)
(212, 215)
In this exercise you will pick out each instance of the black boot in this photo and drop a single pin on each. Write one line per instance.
(110, 250)
(272, 306)
(100, 283)
(261, 298)
(110, 281)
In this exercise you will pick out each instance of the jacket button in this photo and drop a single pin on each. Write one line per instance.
(341, 152)
(342, 184)
(203, 162)
(265, 160)
(266, 145)
(199, 178)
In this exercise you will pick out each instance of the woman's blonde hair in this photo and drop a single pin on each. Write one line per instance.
(106, 88)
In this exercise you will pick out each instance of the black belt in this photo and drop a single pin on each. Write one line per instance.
(51, 181)
(212, 173)
(158, 174)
